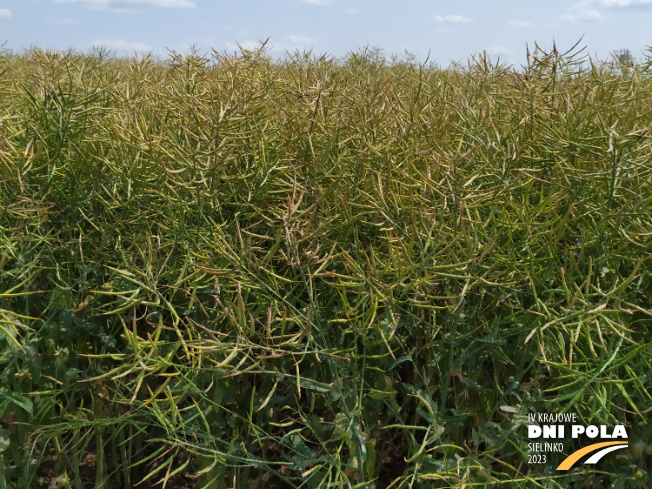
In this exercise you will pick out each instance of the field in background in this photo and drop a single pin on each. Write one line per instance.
(318, 273)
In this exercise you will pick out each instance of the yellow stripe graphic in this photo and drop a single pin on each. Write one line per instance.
(574, 457)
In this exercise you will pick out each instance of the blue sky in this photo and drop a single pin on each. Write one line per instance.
(447, 30)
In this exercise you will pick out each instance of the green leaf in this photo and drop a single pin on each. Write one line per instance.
(7, 398)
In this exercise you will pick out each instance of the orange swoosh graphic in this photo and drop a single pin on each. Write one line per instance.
(575, 456)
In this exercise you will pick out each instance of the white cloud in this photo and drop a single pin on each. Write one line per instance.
(290, 44)
(5, 13)
(521, 24)
(594, 10)
(499, 50)
(128, 5)
(577, 15)
(122, 45)
(321, 3)
(625, 6)
(452, 19)
(248, 45)
(623, 3)
(302, 40)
